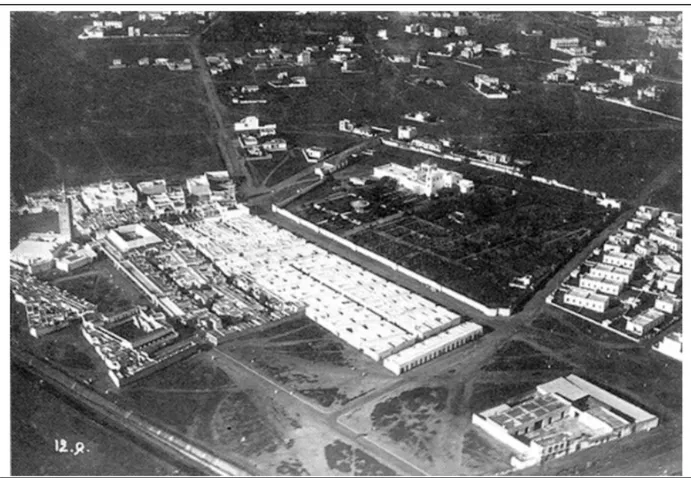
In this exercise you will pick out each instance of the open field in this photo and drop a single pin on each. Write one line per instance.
(314, 363)
(132, 123)
(506, 229)
(40, 416)
(227, 410)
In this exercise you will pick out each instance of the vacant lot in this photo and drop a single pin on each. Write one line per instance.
(476, 244)
(308, 359)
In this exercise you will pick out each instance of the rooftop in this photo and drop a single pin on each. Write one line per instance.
(529, 410)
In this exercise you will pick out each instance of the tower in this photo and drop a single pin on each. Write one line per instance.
(65, 215)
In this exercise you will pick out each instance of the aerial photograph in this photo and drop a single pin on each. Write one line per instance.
(379, 241)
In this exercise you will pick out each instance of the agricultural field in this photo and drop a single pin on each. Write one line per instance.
(94, 122)
(508, 228)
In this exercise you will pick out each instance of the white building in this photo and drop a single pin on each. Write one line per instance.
(439, 32)
(669, 282)
(382, 34)
(673, 243)
(606, 286)
(314, 154)
(561, 417)
(304, 58)
(671, 345)
(80, 258)
(587, 299)
(667, 263)
(645, 322)
(432, 347)
(667, 303)
(407, 133)
(251, 123)
(618, 274)
(130, 237)
(399, 58)
(427, 144)
(486, 80)
(460, 31)
(620, 259)
(504, 50)
(346, 39)
(561, 43)
(425, 178)
(626, 78)
(275, 144)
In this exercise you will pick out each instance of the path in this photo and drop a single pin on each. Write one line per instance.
(234, 162)
(634, 107)
(314, 412)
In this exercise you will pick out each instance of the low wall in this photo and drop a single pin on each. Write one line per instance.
(497, 432)
(489, 311)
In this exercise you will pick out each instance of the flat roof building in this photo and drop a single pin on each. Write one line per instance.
(587, 299)
(645, 322)
(671, 345)
(673, 243)
(614, 273)
(75, 260)
(561, 417)
(605, 286)
(130, 237)
(667, 263)
(668, 304)
(620, 259)
(150, 188)
(558, 43)
(425, 178)
(669, 282)
(433, 347)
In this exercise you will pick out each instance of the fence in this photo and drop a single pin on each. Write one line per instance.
(489, 311)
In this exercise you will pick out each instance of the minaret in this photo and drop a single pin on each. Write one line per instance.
(65, 215)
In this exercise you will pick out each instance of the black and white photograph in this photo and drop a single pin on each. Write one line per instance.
(345, 240)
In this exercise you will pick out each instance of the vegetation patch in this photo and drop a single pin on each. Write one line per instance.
(291, 467)
(405, 418)
(342, 457)
(239, 424)
(324, 396)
